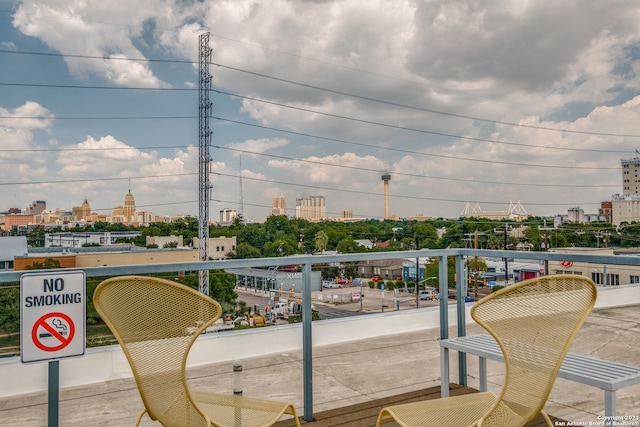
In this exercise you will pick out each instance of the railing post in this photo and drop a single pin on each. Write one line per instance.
(443, 281)
(462, 326)
(307, 350)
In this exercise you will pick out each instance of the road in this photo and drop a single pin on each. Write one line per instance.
(373, 301)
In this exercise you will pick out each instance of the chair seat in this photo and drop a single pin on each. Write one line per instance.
(229, 410)
(453, 411)
(450, 411)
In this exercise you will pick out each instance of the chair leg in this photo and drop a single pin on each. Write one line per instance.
(383, 415)
(546, 418)
(292, 411)
(144, 411)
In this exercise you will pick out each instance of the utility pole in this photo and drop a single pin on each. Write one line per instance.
(546, 245)
(204, 160)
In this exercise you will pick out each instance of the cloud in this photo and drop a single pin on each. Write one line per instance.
(256, 146)
(93, 29)
(458, 100)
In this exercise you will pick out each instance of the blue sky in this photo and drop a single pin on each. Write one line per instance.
(481, 102)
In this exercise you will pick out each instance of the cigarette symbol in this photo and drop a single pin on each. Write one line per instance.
(60, 327)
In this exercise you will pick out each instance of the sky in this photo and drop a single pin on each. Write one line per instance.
(462, 102)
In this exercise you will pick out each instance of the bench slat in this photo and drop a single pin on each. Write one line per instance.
(588, 370)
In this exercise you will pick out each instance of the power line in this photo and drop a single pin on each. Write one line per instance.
(411, 197)
(427, 154)
(70, 181)
(427, 110)
(308, 110)
(423, 153)
(328, 90)
(352, 167)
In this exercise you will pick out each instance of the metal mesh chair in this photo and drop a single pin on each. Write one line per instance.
(156, 322)
(534, 323)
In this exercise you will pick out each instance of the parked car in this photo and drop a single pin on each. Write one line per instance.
(426, 295)
(330, 285)
(469, 299)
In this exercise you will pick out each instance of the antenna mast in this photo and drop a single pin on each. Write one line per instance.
(204, 160)
(241, 207)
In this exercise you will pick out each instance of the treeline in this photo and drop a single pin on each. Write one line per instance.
(221, 288)
(282, 236)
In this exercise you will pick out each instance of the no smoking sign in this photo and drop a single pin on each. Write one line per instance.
(52, 315)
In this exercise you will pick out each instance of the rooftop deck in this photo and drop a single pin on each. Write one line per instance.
(366, 414)
(352, 379)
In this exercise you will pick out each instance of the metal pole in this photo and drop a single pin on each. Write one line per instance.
(418, 281)
(444, 298)
(307, 348)
(506, 260)
(53, 393)
(462, 326)
(237, 391)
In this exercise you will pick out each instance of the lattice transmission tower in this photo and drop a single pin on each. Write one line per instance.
(204, 160)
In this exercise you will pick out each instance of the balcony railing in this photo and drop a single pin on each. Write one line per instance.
(308, 261)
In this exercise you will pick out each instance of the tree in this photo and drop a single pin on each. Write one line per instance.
(10, 308)
(47, 264)
(245, 250)
(349, 246)
(321, 240)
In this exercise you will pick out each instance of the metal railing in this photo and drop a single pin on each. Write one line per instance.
(307, 263)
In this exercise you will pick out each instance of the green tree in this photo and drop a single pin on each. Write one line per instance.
(245, 250)
(321, 240)
(9, 308)
(349, 246)
(47, 264)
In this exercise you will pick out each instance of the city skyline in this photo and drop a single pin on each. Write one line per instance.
(460, 103)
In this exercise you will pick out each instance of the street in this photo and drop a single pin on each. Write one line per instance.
(374, 301)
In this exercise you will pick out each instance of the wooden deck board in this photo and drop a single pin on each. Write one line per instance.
(365, 414)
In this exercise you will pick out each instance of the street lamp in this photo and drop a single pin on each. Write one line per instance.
(394, 229)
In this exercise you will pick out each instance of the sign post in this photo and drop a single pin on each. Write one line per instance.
(52, 324)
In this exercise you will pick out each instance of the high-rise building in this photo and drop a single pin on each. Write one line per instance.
(36, 207)
(630, 179)
(227, 216)
(81, 212)
(278, 206)
(310, 207)
(625, 207)
(129, 207)
(86, 209)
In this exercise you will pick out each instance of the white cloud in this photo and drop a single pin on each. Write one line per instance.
(257, 146)
(540, 64)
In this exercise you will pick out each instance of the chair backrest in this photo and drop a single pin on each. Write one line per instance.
(534, 322)
(156, 321)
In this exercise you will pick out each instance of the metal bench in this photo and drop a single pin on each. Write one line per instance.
(608, 376)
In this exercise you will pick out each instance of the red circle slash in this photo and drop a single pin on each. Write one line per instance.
(53, 332)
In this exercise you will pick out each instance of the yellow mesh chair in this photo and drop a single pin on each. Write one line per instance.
(534, 322)
(156, 322)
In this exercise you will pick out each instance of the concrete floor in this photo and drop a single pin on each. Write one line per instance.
(352, 373)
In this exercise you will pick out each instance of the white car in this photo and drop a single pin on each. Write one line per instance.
(330, 285)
